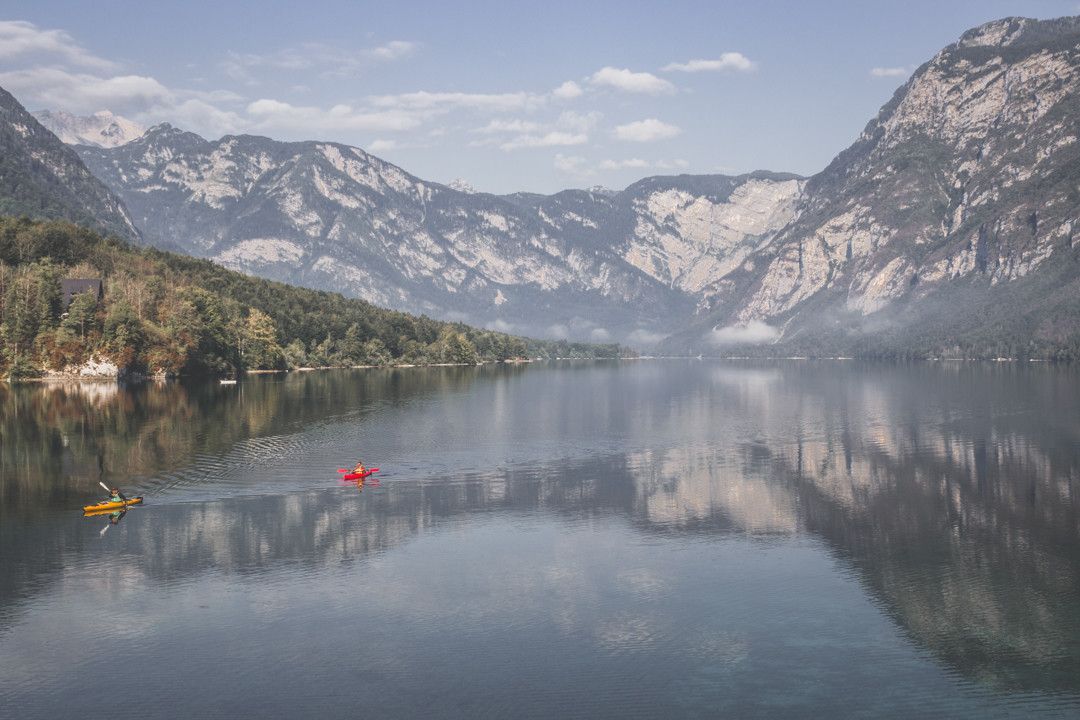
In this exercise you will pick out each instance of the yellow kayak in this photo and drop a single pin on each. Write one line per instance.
(106, 506)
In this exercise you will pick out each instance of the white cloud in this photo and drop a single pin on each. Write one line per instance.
(568, 91)
(442, 101)
(677, 164)
(275, 114)
(621, 164)
(558, 332)
(648, 130)
(499, 325)
(380, 145)
(499, 125)
(571, 128)
(329, 60)
(629, 81)
(890, 72)
(640, 164)
(599, 335)
(82, 92)
(551, 139)
(754, 332)
(393, 50)
(641, 336)
(20, 38)
(196, 113)
(578, 122)
(726, 61)
(568, 163)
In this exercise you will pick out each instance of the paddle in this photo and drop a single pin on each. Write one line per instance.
(109, 490)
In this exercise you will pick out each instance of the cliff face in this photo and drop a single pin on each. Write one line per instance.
(968, 180)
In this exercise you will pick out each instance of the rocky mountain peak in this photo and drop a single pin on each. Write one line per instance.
(101, 129)
(461, 185)
(995, 33)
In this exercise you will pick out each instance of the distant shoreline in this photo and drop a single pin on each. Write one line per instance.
(59, 379)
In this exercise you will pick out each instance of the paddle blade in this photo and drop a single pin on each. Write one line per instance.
(342, 470)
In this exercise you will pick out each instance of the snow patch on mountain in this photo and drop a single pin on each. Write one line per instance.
(102, 129)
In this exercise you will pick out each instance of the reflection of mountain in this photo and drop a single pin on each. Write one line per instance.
(950, 491)
(953, 497)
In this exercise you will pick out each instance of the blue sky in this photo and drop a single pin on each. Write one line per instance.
(509, 96)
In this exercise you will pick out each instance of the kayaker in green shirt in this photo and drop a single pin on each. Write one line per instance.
(116, 496)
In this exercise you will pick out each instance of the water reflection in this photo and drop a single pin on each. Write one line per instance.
(949, 492)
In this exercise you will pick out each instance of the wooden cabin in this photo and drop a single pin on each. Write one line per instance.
(71, 288)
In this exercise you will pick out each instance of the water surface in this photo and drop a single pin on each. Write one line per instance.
(678, 539)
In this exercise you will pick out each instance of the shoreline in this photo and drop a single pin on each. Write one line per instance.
(56, 378)
(135, 378)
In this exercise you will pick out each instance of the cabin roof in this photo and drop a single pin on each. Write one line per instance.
(76, 286)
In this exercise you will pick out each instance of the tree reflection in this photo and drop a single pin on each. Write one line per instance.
(954, 492)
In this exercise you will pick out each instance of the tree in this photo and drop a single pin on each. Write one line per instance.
(375, 353)
(352, 349)
(81, 315)
(295, 354)
(460, 350)
(124, 336)
(261, 348)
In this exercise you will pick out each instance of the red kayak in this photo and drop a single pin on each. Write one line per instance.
(359, 476)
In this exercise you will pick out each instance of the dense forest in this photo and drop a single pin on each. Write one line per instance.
(168, 314)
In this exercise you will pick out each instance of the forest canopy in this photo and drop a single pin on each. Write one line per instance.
(168, 314)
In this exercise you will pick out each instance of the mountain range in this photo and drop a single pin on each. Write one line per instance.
(949, 225)
(331, 216)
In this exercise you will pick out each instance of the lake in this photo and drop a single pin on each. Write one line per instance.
(636, 539)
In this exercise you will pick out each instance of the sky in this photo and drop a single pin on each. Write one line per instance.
(508, 96)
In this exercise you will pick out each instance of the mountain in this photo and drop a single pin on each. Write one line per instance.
(951, 224)
(43, 178)
(102, 129)
(592, 265)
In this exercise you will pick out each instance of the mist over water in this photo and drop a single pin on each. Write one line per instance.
(641, 539)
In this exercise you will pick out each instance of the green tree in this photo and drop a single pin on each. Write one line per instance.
(261, 348)
(124, 335)
(460, 350)
(295, 354)
(81, 316)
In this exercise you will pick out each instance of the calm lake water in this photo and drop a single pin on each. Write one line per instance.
(644, 539)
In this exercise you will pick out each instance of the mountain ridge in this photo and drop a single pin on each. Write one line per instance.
(329, 215)
(42, 177)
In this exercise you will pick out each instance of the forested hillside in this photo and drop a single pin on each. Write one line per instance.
(167, 314)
